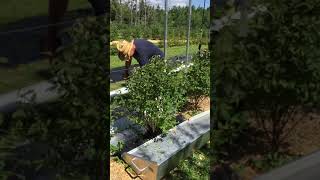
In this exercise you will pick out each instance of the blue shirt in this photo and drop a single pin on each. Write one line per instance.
(145, 50)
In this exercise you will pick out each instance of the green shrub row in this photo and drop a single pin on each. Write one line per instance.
(157, 93)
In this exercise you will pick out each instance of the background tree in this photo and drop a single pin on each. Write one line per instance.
(148, 21)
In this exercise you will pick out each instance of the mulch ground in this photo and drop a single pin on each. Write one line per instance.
(188, 110)
(117, 171)
(303, 140)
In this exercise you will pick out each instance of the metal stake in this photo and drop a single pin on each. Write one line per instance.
(165, 28)
(189, 29)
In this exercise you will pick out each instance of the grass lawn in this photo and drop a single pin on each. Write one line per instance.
(197, 166)
(15, 10)
(117, 85)
(172, 51)
(23, 75)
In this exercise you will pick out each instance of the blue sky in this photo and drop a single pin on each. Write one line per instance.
(200, 3)
(179, 2)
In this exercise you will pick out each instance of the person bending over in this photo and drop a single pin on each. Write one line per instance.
(56, 11)
(140, 49)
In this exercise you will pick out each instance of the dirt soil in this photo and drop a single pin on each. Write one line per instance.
(117, 171)
(188, 110)
(205, 104)
(304, 140)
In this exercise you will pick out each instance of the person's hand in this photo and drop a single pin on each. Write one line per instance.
(125, 76)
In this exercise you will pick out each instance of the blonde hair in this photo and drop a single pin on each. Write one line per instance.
(125, 48)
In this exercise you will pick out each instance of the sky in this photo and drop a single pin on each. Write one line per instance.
(179, 2)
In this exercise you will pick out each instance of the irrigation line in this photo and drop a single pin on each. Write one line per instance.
(44, 26)
(34, 28)
(120, 70)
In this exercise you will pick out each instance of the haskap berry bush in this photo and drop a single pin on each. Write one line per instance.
(157, 91)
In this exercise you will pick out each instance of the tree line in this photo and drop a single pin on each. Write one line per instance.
(147, 21)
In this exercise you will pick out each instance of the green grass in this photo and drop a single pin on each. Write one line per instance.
(195, 167)
(172, 51)
(117, 85)
(23, 75)
(14, 10)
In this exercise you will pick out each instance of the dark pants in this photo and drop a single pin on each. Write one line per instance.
(99, 6)
(57, 9)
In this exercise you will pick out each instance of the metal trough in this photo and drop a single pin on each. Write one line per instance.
(155, 158)
(43, 92)
(305, 168)
(125, 132)
(118, 92)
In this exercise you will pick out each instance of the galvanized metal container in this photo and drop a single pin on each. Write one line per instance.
(118, 92)
(155, 158)
(306, 167)
(42, 92)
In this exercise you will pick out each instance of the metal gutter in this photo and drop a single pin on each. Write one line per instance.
(155, 158)
(305, 168)
(118, 92)
(41, 92)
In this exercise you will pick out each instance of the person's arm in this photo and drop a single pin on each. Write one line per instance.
(127, 65)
